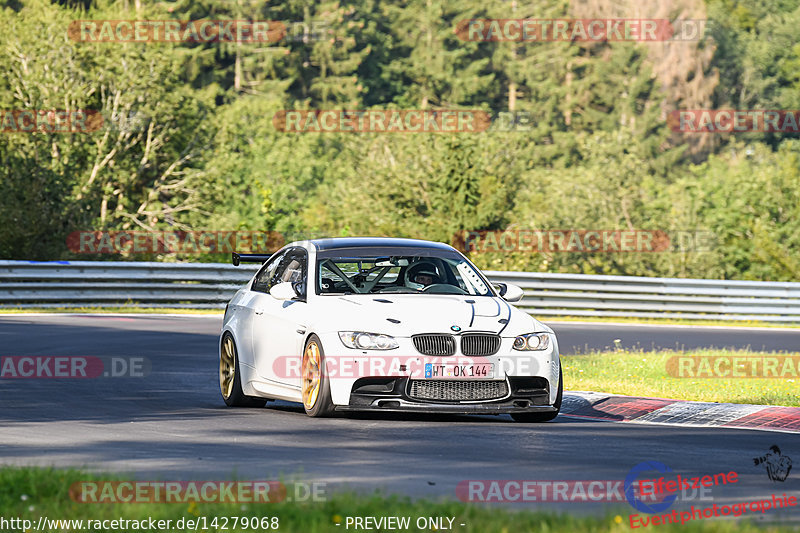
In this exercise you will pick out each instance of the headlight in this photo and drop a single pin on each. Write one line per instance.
(361, 340)
(532, 341)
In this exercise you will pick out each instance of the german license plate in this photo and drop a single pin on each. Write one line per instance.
(456, 371)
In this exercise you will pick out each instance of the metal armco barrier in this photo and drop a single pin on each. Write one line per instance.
(633, 296)
(28, 284)
(119, 284)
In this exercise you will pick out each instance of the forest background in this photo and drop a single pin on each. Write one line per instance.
(188, 142)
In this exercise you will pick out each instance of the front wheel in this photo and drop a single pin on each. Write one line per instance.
(544, 417)
(230, 380)
(316, 385)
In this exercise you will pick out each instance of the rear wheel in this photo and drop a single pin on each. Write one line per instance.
(230, 380)
(316, 386)
(544, 417)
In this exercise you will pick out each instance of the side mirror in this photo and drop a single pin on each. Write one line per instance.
(511, 292)
(283, 291)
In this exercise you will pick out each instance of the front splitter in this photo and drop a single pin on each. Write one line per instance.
(395, 405)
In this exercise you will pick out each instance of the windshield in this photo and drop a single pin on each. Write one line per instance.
(397, 271)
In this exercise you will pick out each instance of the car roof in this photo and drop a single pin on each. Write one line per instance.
(364, 242)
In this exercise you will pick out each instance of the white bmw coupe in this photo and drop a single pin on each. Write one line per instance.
(385, 325)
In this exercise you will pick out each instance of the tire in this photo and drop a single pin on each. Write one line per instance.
(230, 381)
(544, 417)
(315, 384)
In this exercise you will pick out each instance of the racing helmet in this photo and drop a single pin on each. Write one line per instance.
(419, 269)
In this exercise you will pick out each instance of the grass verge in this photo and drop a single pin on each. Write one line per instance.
(666, 321)
(638, 373)
(31, 493)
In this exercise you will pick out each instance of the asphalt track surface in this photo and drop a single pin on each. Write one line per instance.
(173, 425)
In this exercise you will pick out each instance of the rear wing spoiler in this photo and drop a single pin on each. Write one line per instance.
(248, 258)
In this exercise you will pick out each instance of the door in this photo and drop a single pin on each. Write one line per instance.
(279, 325)
(246, 309)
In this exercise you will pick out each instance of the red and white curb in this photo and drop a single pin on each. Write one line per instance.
(615, 408)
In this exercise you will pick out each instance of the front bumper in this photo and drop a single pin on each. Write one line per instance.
(523, 395)
(347, 368)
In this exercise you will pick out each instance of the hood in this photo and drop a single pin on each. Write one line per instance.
(403, 315)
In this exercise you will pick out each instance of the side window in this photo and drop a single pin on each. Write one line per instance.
(290, 266)
(294, 268)
(328, 280)
(262, 281)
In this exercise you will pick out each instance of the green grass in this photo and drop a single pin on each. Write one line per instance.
(666, 320)
(637, 373)
(32, 492)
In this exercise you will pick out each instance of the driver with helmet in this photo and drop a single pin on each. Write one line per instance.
(421, 275)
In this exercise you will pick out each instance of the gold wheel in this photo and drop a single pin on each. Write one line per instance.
(312, 376)
(227, 367)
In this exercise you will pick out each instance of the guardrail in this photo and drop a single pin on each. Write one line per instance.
(632, 296)
(119, 284)
(29, 284)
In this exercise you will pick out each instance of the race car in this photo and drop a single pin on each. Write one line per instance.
(385, 324)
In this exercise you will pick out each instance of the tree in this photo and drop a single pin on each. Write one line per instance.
(131, 173)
